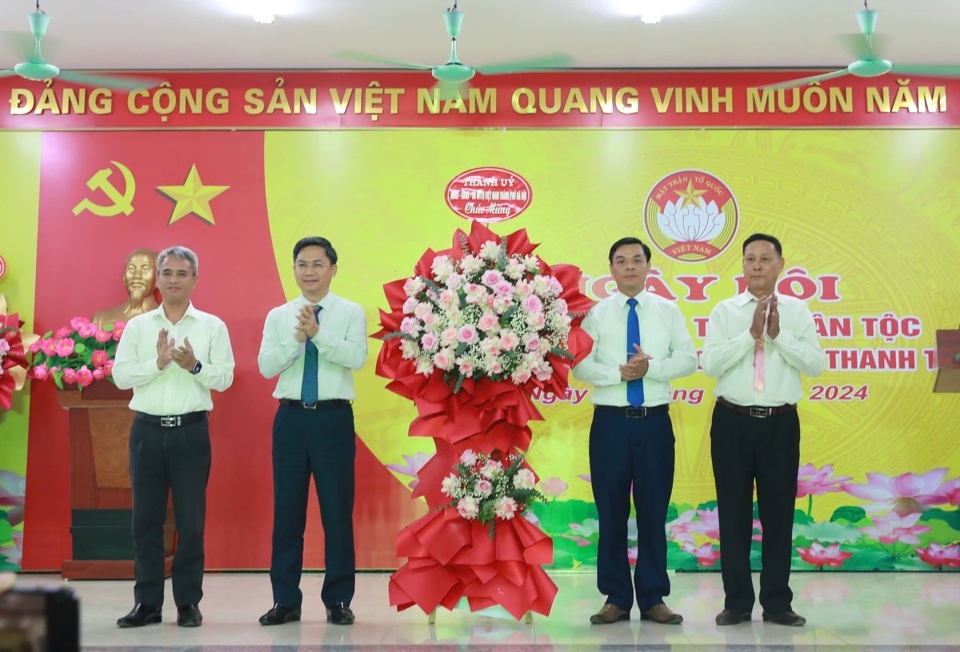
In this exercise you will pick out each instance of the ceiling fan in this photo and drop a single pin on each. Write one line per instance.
(34, 67)
(453, 76)
(869, 63)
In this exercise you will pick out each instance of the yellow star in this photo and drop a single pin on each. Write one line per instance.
(192, 197)
(690, 195)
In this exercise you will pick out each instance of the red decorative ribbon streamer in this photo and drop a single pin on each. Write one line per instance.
(450, 557)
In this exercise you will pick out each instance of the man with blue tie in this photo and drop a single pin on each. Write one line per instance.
(314, 343)
(640, 343)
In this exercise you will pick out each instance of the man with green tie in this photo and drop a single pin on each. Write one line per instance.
(314, 343)
(640, 344)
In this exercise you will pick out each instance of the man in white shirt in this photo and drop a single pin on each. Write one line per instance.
(172, 357)
(314, 343)
(640, 343)
(758, 343)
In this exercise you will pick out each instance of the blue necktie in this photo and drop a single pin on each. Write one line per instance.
(309, 389)
(634, 387)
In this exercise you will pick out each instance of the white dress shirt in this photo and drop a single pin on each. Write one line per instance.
(341, 344)
(173, 390)
(729, 351)
(663, 335)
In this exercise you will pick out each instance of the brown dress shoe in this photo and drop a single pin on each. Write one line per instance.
(610, 613)
(660, 613)
(787, 618)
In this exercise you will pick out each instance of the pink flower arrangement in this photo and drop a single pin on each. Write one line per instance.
(939, 556)
(817, 555)
(893, 528)
(76, 354)
(904, 494)
(483, 489)
(487, 314)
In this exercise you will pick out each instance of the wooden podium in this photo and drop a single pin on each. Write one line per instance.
(948, 362)
(101, 502)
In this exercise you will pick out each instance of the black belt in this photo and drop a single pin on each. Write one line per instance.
(632, 412)
(318, 405)
(173, 421)
(756, 411)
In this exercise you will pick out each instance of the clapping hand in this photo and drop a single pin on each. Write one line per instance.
(760, 318)
(307, 325)
(165, 349)
(184, 356)
(636, 368)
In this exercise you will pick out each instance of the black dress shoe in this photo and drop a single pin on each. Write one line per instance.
(189, 615)
(732, 617)
(340, 614)
(787, 618)
(279, 615)
(140, 615)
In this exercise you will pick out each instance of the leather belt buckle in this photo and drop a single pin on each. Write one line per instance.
(309, 406)
(170, 422)
(760, 413)
(636, 413)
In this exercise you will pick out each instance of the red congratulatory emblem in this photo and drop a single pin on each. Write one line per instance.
(488, 195)
(691, 216)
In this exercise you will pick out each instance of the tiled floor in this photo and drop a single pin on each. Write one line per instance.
(843, 610)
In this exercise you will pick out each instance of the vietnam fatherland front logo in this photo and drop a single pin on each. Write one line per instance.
(691, 216)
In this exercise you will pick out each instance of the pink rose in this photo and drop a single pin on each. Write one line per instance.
(98, 374)
(410, 305)
(77, 322)
(485, 487)
(503, 288)
(99, 358)
(532, 343)
(87, 330)
(443, 360)
(108, 368)
(104, 336)
(496, 368)
(409, 326)
(523, 289)
(40, 372)
(506, 508)
(422, 310)
(119, 324)
(556, 289)
(429, 319)
(117, 331)
(466, 368)
(533, 304)
(467, 334)
(468, 458)
(49, 347)
(468, 508)
(413, 286)
(84, 376)
(491, 277)
(454, 281)
(429, 341)
(488, 322)
(509, 340)
(65, 332)
(448, 299)
(449, 336)
(520, 377)
(69, 376)
(64, 347)
(35, 347)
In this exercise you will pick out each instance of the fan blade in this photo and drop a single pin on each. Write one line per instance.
(450, 91)
(7, 73)
(118, 82)
(860, 48)
(24, 46)
(528, 65)
(928, 70)
(805, 80)
(358, 56)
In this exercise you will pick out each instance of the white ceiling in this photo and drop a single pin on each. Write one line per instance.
(221, 34)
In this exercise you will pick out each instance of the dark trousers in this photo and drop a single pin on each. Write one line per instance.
(163, 462)
(747, 449)
(321, 442)
(641, 451)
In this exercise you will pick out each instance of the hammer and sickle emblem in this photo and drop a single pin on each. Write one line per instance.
(122, 202)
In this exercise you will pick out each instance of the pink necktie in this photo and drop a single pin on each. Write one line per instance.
(758, 361)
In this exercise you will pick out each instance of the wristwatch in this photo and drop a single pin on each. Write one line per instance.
(196, 368)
